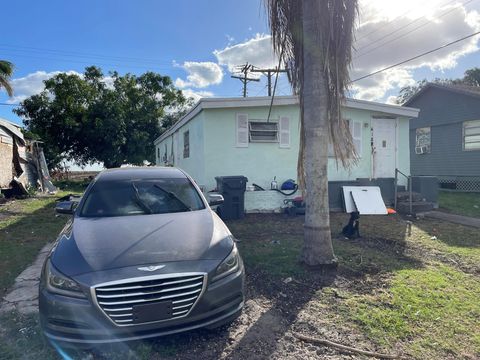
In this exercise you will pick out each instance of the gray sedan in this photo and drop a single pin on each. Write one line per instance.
(142, 256)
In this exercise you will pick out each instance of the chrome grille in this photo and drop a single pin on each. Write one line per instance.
(118, 299)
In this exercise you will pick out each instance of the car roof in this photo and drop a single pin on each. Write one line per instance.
(128, 173)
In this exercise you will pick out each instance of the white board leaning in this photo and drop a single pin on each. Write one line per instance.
(367, 200)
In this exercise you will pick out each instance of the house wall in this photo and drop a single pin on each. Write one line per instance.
(213, 150)
(260, 162)
(444, 111)
(194, 165)
(6, 158)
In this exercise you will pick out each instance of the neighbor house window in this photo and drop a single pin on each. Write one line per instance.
(471, 135)
(423, 140)
(263, 131)
(186, 144)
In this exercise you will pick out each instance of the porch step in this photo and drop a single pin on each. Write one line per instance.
(401, 188)
(417, 207)
(405, 196)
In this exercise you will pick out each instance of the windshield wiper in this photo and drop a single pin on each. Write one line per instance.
(173, 196)
(140, 202)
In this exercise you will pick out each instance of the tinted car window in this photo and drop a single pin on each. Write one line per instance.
(136, 197)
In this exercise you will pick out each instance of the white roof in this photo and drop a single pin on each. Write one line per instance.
(224, 103)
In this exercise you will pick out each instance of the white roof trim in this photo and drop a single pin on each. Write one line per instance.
(221, 103)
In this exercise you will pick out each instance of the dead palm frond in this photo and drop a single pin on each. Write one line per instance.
(6, 71)
(334, 42)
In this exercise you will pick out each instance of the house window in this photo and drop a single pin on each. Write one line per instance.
(356, 131)
(471, 135)
(158, 152)
(263, 131)
(186, 144)
(423, 140)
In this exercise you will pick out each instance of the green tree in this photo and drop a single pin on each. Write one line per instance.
(6, 71)
(113, 120)
(314, 39)
(472, 77)
(408, 91)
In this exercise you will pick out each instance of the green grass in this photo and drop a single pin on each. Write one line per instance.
(400, 292)
(72, 186)
(458, 242)
(467, 204)
(25, 227)
(401, 297)
(273, 243)
(434, 310)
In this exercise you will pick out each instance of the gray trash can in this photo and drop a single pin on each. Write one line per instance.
(232, 189)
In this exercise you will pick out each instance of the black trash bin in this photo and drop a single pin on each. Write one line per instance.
(233, 190)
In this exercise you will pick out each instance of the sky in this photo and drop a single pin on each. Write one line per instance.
(199, 43)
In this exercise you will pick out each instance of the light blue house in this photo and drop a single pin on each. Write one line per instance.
(231, 136)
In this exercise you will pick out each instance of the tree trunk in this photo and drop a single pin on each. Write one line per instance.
(317, 248)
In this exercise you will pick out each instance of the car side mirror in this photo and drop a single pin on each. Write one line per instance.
(215, 199)
(65, 207)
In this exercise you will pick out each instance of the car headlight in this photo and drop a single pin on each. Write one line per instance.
(60, 284)
(229, 265)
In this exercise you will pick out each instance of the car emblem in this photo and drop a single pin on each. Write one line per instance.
(151, 268)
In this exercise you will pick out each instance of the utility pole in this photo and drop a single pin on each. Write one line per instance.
(244, 69)
(268, 73)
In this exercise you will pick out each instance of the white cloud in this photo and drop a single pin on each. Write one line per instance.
(430, 23)
(200, 74)
(196, 95)
(31, 84)
(256, 51)
(431, 26)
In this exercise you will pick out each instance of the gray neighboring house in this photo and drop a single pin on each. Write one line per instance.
(445, 138)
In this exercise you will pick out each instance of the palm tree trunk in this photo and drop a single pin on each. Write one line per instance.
(317, 248)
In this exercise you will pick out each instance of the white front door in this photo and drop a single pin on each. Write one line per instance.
(384, 147)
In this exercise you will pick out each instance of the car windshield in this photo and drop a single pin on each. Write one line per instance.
(139, 197)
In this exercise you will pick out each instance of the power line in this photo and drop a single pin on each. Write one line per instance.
(144, 66)
(416, 57)
(405, 34)
(269, 73)
(79, 54)
(7, 104)
(398, 29)
(244, 69)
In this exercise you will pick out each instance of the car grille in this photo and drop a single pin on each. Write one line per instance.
(118, 299)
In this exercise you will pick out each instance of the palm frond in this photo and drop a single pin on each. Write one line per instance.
(4, 83)
(6, 71)
(334, 41)
(6, 68)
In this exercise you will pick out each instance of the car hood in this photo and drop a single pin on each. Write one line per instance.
(94, 244)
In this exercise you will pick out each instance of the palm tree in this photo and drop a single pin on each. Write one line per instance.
(6, 71)
(314, 39)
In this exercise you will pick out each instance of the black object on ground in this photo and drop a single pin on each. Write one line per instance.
(233, 190)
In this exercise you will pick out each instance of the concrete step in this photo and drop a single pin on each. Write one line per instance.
(405, 196)
(417, 207)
